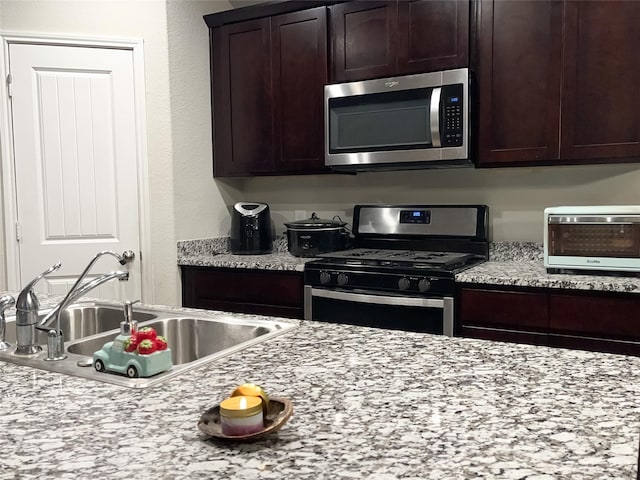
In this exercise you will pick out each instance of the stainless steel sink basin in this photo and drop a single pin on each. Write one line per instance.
(190, 339)
(81, 321)
(194, 339)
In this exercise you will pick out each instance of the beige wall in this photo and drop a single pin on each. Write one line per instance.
(516, 196)
(200, 201)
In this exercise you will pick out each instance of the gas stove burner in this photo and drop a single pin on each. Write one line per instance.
(398, 258)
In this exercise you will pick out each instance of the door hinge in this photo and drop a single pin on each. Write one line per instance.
(18, 232)
(140, 256)
(9, 85)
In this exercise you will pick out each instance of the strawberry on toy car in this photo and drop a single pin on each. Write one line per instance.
(142, 354)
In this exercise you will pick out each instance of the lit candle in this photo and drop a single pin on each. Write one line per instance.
(241, 415)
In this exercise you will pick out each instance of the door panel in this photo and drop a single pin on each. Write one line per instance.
(75, 161)
(519, 79)
(432, 35)
(601, 97)
(299, 45)
(243, 137)
(364, 40)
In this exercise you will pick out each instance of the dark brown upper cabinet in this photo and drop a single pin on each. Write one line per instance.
(601, 80)
(242, 101)
(556, 82)
(268, 86)
(299, 73)
(375, 39)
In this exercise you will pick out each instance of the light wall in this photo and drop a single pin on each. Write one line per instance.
(516, 196)
(200, 201)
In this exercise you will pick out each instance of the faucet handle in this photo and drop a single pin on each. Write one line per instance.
(5, 302)
(27, 300)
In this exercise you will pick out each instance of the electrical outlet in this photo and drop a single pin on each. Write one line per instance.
(300, 214)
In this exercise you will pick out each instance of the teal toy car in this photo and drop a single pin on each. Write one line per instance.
(113, 358)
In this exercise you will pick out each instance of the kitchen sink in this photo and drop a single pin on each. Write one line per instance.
(79, 321)
(190, 339)
(194, 339)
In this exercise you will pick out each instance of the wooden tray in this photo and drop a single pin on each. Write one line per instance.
(280, 409)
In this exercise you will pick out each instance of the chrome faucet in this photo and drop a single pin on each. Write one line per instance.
(54, 336)
(27, 307)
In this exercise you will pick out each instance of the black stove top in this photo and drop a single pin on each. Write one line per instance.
(399, 258)
(405, 249)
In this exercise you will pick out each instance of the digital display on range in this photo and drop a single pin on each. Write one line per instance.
(415, 216)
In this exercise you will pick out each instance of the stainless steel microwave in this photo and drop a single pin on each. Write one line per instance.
(413, 121)
(602, 239)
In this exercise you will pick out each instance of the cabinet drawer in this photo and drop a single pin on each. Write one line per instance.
(504, 309)
(601, 317)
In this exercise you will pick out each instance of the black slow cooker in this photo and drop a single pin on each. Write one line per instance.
(307, 238)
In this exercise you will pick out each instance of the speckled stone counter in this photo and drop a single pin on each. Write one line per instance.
(533, 274)
(368, 403)
(215, 253)
(511, 264)
(522, 264)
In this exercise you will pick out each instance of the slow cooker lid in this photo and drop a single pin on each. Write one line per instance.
(315, 222)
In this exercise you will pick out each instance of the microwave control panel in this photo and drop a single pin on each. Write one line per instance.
(453, 116)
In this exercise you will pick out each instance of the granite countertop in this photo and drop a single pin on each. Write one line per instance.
(368, 403)
(511, 264)
(522, 265)
(533, 274)
(215, 253)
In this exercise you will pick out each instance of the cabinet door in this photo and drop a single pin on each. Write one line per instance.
(364, 40)
(242, 103)
(595, 322)
(601, 98)
(516, 316)
(299, 52)
(432, 35)
(261, 292)
(519, 58)
(595, 316)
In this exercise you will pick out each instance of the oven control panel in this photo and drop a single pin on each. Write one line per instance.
(415, 216)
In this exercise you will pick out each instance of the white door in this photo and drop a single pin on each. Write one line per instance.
(73, 113)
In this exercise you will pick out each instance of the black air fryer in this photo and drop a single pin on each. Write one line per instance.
(251, 230)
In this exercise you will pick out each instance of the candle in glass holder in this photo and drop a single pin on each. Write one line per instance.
(241, 415)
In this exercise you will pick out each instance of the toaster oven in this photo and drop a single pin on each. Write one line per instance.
(600, 239)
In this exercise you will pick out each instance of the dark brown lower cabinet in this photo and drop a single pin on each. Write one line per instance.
(606, 323)
(259, 292)
(596, 321)
(521, 317)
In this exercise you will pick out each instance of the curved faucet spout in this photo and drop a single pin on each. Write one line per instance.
(76, 293)
(78, 289)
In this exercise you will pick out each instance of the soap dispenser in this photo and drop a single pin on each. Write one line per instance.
(128, 326)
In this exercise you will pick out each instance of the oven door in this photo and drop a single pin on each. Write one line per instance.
(369, 309)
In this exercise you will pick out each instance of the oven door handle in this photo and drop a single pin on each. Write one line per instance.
(445, 304)
(381, 299)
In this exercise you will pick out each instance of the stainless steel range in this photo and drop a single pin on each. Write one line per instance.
(400, 273)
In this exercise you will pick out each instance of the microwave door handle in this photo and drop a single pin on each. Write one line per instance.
(434, 117)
